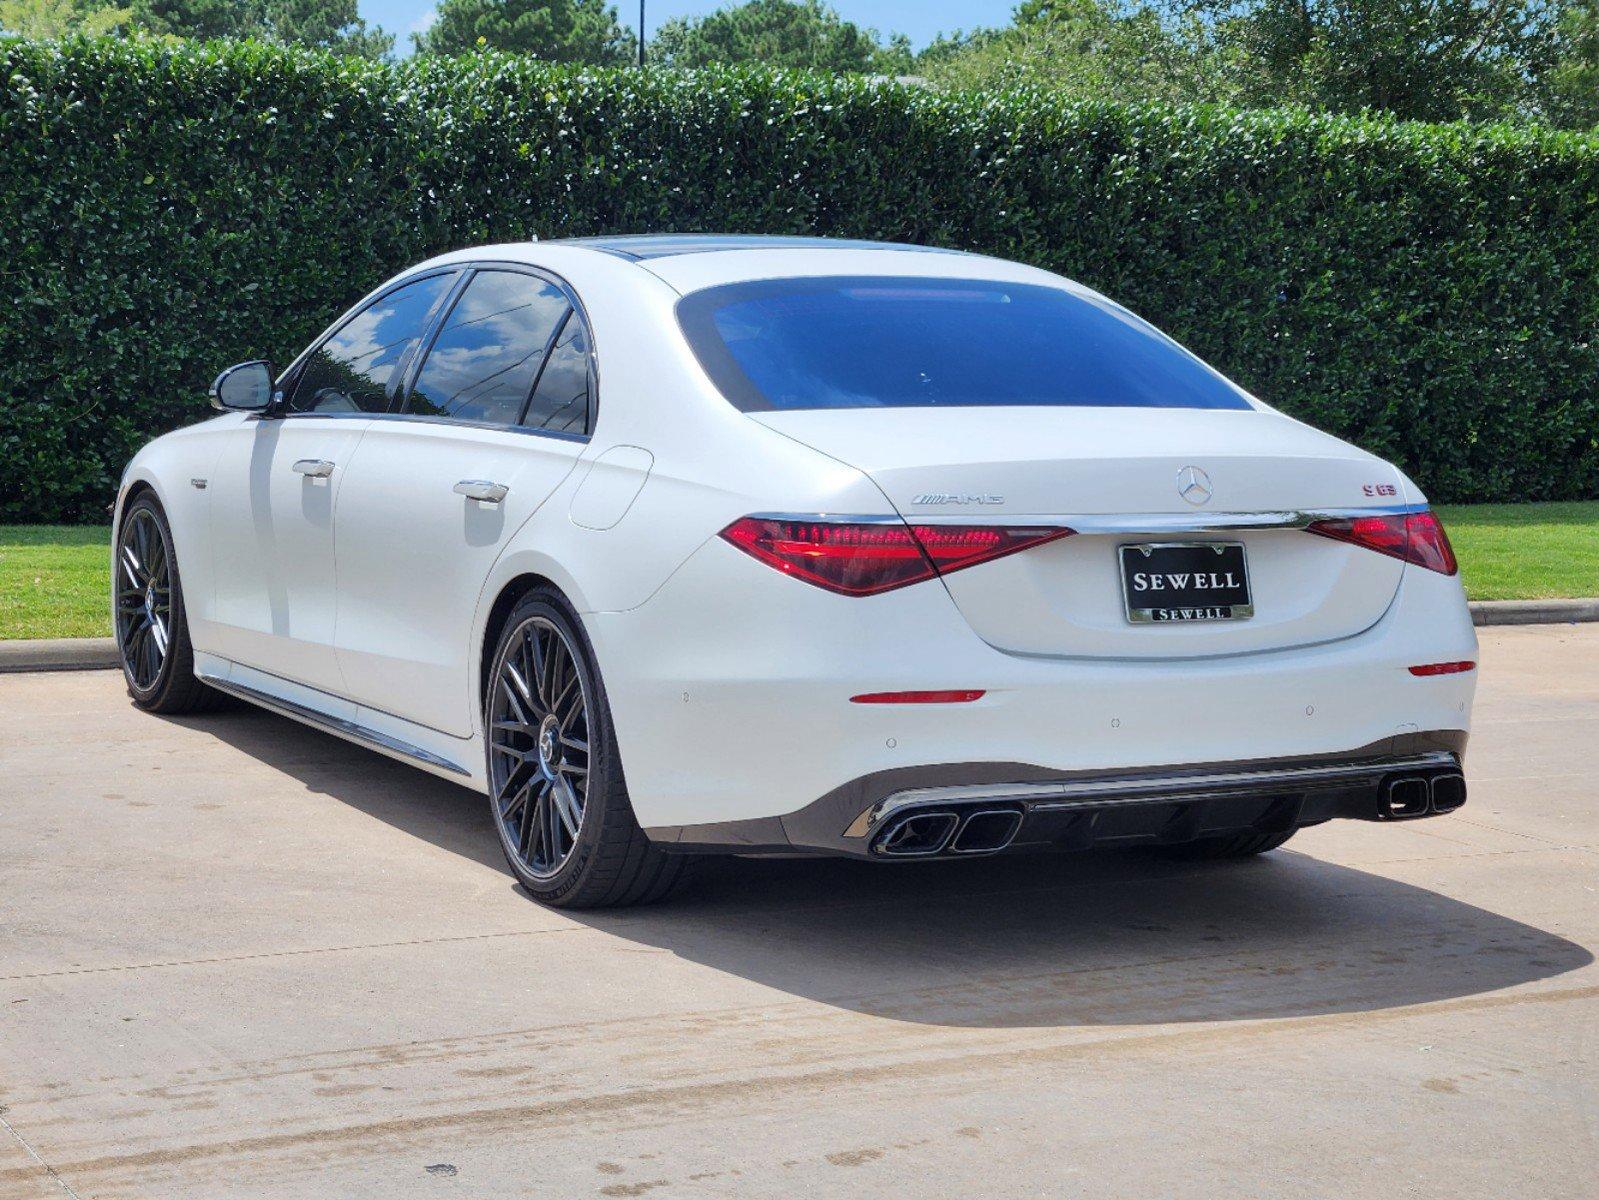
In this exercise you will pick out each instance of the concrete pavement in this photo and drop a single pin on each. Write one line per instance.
(241, 958)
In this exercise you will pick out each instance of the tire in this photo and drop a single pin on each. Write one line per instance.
(550, 746)
(1241, 845)
(149, 619)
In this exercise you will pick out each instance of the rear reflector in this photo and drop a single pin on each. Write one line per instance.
(1416, 537)
(965, 697)
(1443, 668)
(863, 558)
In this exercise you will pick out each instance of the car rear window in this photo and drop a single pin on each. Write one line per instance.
(895, 342)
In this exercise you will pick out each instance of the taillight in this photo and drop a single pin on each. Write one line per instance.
(1444, 668)
(863, 558)
(1416, 537)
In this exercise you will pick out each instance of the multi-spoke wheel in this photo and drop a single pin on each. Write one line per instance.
(555, 779)
(539, 747)
(144, 598)
(152, 632)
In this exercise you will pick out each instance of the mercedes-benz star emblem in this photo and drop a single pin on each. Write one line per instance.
(1193, 485)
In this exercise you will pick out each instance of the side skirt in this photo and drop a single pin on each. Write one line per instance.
(344, 727)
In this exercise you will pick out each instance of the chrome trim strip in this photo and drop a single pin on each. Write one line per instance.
(1158, 523)
(1115, 523)
(832, 518)
(1093, 793)
(332, 724)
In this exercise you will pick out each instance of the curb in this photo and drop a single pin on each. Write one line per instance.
(58, 654)
(1533, 612)
(100, 654)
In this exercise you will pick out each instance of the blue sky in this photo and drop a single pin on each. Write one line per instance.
(921, 20)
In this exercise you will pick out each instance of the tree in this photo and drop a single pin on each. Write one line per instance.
(779, 33)
(580, 31)
(324, 24)
(1093, 49)
(1571, 86)
(1430, 60)
(58, 18)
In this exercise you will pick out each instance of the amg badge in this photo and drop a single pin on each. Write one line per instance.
(958, 498)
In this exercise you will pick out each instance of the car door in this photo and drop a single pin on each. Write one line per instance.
(276, 487)
(495, 417)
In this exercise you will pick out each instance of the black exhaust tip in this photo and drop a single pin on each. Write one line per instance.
(1403, 797)
(986, 831)
(917, 834)
(1448, 792)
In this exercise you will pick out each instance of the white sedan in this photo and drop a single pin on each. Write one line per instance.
(774, 546)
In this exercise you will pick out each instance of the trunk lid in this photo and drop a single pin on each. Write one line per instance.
(1113, 474)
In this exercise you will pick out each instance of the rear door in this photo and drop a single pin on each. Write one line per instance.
(276, 486)
(496, 416)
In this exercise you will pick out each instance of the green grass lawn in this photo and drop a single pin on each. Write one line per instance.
(1526, 551)
(53, 578)
(54, 581)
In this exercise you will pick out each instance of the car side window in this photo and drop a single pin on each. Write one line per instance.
(561, 399)
(350, 372)
(489, 352)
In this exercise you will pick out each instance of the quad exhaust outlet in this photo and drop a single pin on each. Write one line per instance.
(1405, 797)
(926, 832)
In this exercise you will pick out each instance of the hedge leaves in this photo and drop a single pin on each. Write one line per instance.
(1428, 291)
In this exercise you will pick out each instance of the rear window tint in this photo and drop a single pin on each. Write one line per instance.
(890, 342)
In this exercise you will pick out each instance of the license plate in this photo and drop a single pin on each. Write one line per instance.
(1186, 581)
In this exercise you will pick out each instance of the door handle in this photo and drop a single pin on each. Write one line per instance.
(481, 489)
(315, 468)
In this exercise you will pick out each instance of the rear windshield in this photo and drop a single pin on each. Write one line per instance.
(892, 342)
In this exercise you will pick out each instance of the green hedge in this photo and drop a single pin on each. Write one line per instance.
(1428, 291)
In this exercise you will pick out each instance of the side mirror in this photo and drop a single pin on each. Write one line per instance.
(244, 388)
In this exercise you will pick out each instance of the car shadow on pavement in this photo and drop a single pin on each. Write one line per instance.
(1105, 938)
(1110, 938)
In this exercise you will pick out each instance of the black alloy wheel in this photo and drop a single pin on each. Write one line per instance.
(559, 800)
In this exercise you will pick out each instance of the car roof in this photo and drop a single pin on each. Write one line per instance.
(639, 247)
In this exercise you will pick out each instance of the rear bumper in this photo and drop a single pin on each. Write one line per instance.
(983, 808)
(730, 691)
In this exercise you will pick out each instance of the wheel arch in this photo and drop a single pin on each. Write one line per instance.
(509, 595)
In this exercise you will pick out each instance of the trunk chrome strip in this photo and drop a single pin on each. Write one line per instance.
(1157, 523)
(332, 724)
(1125, 789)
(1116, 523)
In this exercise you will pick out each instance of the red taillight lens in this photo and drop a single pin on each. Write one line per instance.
(1416, 537)
(952, 547)
(859, 558)
(1443, 668)
(961, 696)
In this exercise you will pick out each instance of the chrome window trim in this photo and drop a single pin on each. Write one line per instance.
(559, 435)
(290, 376)
(412, 364)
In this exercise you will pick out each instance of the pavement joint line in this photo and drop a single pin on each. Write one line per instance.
(1544, 720)
(828, 1078)
(34, 1154)
(620, 925)
(1475, 779)
(230, 958)
(1389, 862)
(491, 1041)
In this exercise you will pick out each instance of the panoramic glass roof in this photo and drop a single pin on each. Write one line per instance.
(666, 245)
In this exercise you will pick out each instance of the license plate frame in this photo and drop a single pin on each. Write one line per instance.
(1234, 556)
